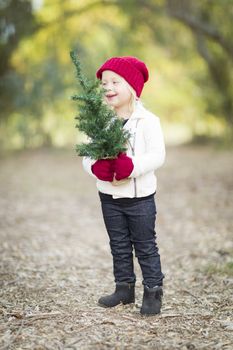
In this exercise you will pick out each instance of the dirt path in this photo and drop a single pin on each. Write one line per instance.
(55, 259)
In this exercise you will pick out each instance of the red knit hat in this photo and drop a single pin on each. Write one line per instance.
(133, 70)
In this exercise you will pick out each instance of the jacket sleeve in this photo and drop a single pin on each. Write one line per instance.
(87, 164)
(154, 156)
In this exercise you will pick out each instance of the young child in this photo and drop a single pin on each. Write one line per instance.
(129, 209)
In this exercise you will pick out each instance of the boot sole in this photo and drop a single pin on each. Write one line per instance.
(148, 315)
(106, 307)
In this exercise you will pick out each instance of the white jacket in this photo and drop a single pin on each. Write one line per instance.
(147, 150)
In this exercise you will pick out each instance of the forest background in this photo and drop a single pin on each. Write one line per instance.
(186, 44)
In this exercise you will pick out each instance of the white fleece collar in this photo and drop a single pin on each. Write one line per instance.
(139, 112)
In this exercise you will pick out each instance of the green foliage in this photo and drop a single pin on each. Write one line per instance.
(100, 124)
(210, 26)
(191, 78)
(17, 21)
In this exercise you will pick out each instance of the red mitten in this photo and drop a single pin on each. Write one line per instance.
(123, 166)
(103, 169)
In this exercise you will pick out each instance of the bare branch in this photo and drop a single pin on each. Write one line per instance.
(182, 14)
(79, 11)
(89, 7)
(203, 50)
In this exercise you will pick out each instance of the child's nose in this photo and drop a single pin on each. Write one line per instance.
(108, 87)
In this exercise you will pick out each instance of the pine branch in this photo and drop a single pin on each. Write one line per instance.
(80, 77)
(99, 123)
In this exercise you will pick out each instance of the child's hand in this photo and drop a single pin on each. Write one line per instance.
(103, 169)
(123, 166)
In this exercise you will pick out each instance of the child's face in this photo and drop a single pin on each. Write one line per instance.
(117, 93)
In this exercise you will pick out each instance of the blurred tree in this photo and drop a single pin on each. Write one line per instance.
(17, 21)
(210, 22)
(187, 44)
(37, 81)
(211, 25)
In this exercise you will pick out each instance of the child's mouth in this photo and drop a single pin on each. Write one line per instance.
(111, 96)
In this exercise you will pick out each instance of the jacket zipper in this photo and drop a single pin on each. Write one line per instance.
(133, 152)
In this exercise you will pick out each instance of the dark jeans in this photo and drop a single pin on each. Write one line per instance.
(132, 225)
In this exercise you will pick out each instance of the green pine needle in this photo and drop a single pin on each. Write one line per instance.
(99, 123)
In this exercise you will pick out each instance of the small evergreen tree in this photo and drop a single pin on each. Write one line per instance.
(102, 127)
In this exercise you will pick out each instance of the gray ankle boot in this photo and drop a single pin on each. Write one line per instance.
(124, 293)
(152, 300)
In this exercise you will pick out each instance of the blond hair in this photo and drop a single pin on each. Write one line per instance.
(133, 99)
